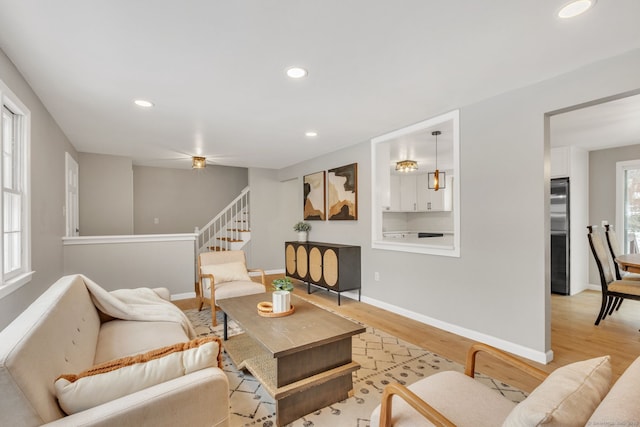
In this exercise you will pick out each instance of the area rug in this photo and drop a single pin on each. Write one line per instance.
(383, 359)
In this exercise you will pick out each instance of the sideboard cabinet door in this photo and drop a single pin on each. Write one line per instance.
(296, 260)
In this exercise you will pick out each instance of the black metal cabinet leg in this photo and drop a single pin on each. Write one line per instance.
(226, 335)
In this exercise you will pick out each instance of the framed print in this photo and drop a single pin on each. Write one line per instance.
(314, 196)
(342, 184)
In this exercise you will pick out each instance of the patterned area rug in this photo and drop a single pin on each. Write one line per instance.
(383, 359)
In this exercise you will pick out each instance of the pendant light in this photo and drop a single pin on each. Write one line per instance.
(437, 179)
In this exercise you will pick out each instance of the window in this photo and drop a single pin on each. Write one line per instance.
(628, 205)
(14, 202)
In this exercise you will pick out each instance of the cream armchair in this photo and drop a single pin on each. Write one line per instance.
(224, 274)
(567, 397)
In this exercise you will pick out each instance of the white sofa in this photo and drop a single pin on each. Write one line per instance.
(62, 332)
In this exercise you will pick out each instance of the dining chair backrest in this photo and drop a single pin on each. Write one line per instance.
(601, 257)
(614, 248)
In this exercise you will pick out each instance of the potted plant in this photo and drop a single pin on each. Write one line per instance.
(302, 228)
(283, 284)
(282, 294)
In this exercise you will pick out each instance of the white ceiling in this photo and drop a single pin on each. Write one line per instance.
(609, 124)
(215, 69)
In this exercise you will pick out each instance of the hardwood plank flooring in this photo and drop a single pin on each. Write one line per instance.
(574, 337)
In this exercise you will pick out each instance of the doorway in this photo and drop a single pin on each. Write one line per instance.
(71, 196)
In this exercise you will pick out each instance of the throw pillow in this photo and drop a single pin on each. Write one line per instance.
(228, 272)
(567, 397)
(116, 378)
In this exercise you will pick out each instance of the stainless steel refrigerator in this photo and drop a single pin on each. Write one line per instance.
(560, 244)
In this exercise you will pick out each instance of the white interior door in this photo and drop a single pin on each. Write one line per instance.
(71, 208)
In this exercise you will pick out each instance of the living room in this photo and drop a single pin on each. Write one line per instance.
(502, 270)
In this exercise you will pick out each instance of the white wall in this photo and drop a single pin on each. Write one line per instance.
(105, 195)
(498, 290)
(48, 147)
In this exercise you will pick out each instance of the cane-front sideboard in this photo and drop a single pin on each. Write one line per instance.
(334, 267)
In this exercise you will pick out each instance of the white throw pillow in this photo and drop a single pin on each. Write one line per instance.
(567, 397)
(228, 272)
(116, 378)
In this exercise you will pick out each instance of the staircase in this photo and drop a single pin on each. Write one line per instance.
(230, 229)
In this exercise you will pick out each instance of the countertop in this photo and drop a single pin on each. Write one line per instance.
(412, 237)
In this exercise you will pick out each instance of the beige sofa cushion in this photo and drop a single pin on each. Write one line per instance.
(118, 378)
(120, 338)
(567, 397)
(621, 406)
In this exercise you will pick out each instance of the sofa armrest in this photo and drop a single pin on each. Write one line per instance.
(163, 293)
(197, 399)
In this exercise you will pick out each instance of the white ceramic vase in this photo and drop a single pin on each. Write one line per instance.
(302, 236)
(281, 301)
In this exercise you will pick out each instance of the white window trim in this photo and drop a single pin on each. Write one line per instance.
(8, 98)
(621, 168)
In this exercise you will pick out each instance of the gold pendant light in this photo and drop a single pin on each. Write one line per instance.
(437, 179)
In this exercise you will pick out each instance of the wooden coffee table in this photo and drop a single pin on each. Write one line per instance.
(303, 360)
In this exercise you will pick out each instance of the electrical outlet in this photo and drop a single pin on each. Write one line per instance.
(156, 220)
(376, 276)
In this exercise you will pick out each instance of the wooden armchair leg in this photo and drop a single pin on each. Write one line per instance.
(214, 321)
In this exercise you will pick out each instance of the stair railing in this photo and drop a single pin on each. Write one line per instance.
(226, 227)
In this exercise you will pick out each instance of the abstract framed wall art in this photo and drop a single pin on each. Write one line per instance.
(342, 186)
(314, 196)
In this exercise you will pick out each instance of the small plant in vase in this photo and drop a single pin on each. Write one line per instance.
(303, 229)
(283, 284)
(282, 294)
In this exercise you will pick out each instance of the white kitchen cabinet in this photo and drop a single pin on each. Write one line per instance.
(394, 196)
(410, 193)
(560, 162)
(432, 200)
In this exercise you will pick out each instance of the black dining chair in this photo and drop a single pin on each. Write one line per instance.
(613, 291)
(614, 250)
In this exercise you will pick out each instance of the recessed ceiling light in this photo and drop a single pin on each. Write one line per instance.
(296, 72)
(575, 8)
(143, 103)
(311, 133)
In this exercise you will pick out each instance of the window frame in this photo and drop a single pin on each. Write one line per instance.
(16, 279)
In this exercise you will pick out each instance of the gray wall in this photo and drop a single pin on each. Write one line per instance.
(602, 190)
(182, 199)
(499, 287)
(48, 145)
(105, 195)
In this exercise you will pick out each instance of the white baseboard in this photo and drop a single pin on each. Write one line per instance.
(185, 295)
(535, 355)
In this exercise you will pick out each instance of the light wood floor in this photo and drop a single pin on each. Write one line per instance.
(573, 334)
